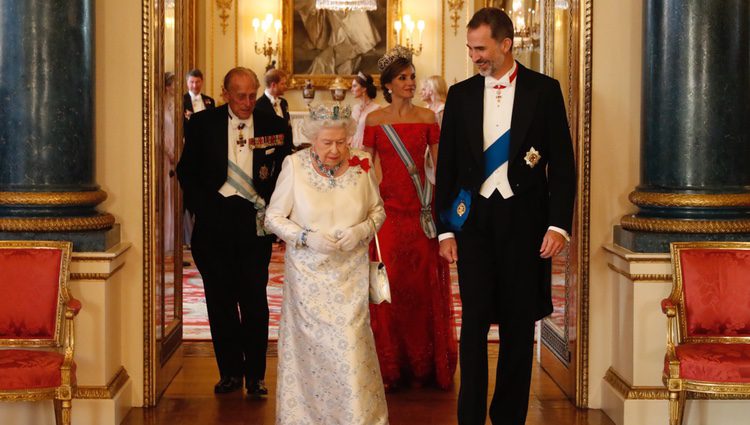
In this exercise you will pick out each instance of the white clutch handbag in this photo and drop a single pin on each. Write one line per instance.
(380, 289)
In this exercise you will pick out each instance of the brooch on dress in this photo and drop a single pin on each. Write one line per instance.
(532, 157)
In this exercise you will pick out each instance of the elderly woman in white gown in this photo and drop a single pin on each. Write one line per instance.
(326, 207)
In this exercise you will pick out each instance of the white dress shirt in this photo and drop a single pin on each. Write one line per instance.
(240, 155)
(197, 100)
(276, 102)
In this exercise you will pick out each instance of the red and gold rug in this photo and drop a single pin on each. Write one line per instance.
(195, 316)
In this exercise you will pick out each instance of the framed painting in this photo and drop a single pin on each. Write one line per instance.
(320, 45)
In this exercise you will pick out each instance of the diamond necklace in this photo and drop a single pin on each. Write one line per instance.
(325, 170)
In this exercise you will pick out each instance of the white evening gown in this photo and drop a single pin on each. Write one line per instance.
(328, 368)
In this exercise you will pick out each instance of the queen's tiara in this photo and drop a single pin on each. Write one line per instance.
(397, 52)
(330, 112)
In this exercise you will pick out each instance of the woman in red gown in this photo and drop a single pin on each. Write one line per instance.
(415, 334)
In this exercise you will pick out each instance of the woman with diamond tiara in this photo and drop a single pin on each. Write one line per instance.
(414, 335)
(326, 207)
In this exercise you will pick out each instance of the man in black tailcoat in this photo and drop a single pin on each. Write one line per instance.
(228, 170)
(505, 191)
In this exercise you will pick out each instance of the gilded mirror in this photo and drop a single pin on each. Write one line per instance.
(163, 69)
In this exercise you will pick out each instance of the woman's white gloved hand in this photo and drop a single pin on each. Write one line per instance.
(322, 243)
(351, 237)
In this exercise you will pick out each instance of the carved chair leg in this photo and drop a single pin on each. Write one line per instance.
(62, 412)
(58, 411)
(681, 406)
(676, 407)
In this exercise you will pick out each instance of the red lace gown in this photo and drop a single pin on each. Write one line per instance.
(415, 335)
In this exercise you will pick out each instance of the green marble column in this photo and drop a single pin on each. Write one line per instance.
(695, 134)
(47, 176)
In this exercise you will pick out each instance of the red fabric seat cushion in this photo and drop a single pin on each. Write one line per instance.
(714, 362)
(717, 291)
(30, 369)
(30, 292)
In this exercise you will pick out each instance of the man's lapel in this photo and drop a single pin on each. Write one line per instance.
(475, 107)
(525, 99)
(221, 134)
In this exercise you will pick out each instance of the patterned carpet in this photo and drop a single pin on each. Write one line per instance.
(196, 318)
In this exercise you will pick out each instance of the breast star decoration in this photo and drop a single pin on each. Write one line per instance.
(532, 157)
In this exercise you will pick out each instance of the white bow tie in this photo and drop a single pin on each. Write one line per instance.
(490, 82)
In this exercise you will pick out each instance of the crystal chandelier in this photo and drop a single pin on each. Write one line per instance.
(346, 5)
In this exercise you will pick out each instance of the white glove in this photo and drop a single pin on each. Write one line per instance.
(351, 237)
(322, 243)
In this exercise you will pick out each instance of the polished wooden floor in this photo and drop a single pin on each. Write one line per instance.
(190, 400)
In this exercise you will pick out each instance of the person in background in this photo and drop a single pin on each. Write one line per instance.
(326, 207)
(271, 100)
(415, 334)
(228, 170)
(364, 91)
(433, 93)
(194, 101)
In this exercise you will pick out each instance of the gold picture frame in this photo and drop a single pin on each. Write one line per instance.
(292, 64)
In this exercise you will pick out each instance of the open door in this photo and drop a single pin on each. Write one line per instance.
(163, 83)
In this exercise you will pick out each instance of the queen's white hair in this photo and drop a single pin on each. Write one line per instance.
(311, 127)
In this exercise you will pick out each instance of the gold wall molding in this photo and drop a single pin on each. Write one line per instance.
(455, 7)
(93, 197)
(630, 392)
(654, 199)
(646, 224)
(101, 221)
(95, 276)
(641, 277)
(103, 392)
(225, 6)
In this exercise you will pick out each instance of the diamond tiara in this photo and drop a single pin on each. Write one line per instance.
(397, 52)
(330, 112)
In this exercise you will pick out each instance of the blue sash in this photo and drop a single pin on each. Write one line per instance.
(497, 154)
(239, 180)
(424, 192)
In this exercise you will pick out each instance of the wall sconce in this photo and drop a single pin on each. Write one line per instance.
(267, 48)
(408, 25)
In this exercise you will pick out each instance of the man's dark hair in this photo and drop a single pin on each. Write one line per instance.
(274, 76)
(499, 23)
(195, 72)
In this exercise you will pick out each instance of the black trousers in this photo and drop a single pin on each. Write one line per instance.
(498, 254)
(233, 262)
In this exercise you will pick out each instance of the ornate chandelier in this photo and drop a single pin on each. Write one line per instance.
(346, 5)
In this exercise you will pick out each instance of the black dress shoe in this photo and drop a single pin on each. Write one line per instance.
(228, 384)
(256, 390)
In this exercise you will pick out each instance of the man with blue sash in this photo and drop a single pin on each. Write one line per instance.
(228, 170)
(504, 194)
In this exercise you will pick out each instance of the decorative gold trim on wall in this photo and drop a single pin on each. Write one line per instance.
(225, 6)
(646, 224)
(103, 392)
(149, 395)
(653, 199)
(630, 392)
(455, 7)
(93, 197)
(102, 221)
(641, 277)
(95, 276)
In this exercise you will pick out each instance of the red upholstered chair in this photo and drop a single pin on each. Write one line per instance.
(708, 322)
(36, 324)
